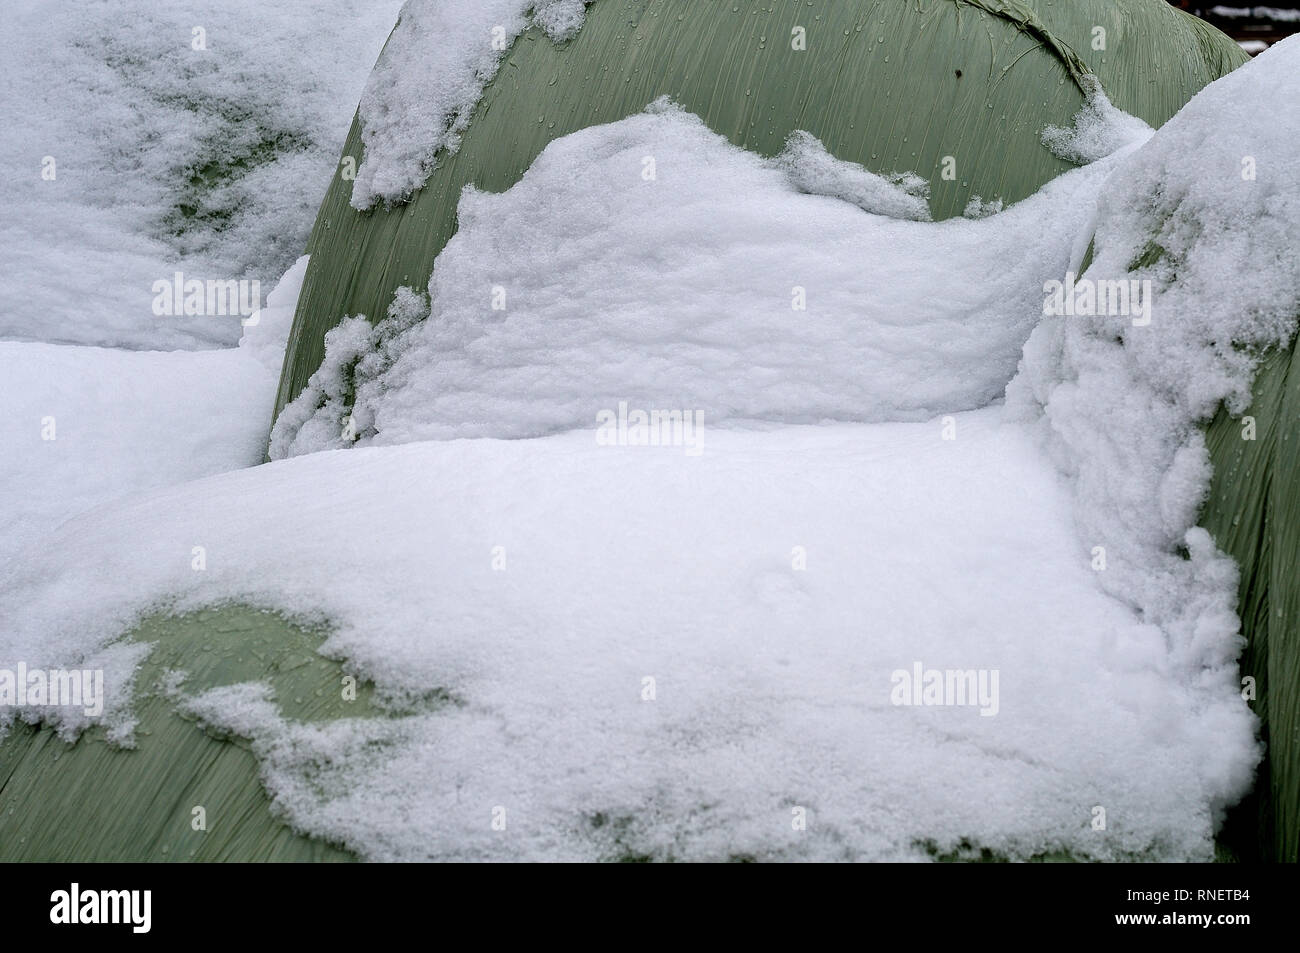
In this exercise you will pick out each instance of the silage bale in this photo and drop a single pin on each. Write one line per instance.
(898, 86)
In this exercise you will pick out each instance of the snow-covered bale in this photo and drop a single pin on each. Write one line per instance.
(630, 651)
(955, 92)
(767, 697)
(748, 600)
(740, 298)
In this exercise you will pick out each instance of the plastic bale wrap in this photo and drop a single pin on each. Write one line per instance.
(1254, 515)
(183, 792)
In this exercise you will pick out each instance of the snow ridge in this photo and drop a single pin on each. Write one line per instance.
(439, 58)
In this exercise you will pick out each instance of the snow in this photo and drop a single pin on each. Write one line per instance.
(810, 168)
(979, 207)
(1119, 405)
(114, 92)
(85, 425)
(1100, 129)
(772, 684)
(266, 334)
(750, 301)
(440, 57)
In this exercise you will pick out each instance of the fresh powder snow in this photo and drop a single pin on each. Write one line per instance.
(86, 425)
(751, 301)
(670, 651)
(772, 684)
(1208, 215)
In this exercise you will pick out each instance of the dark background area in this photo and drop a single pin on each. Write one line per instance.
(1255, 26)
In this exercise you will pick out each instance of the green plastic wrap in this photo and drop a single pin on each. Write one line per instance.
(90, 801)
(1253, 512)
